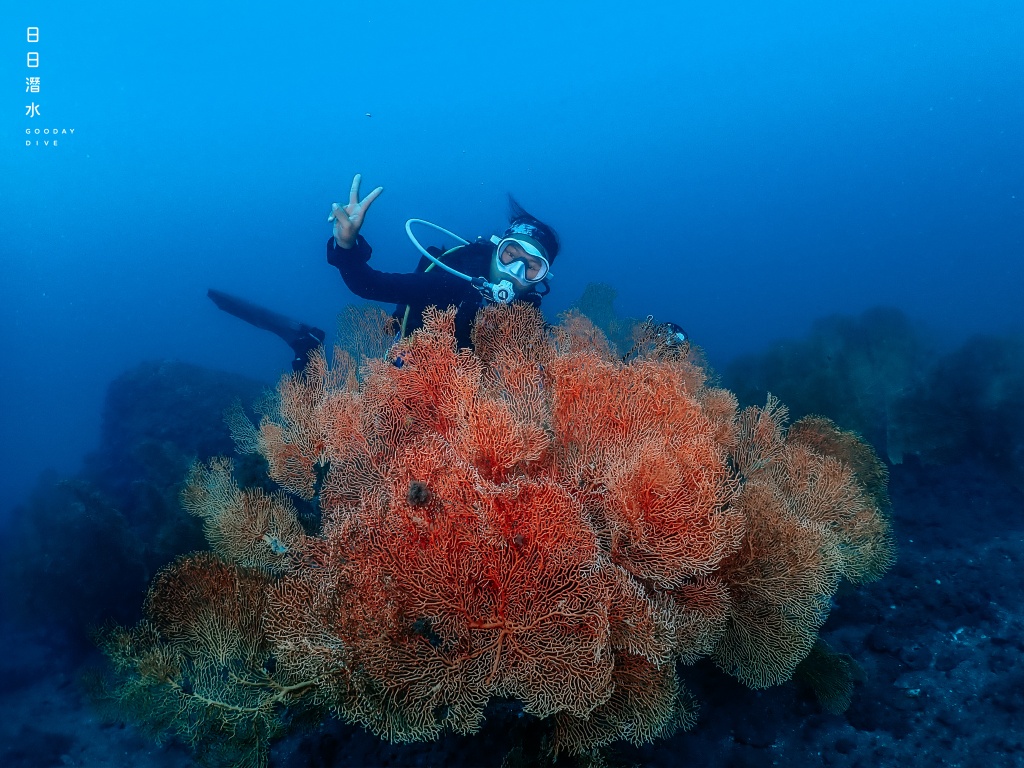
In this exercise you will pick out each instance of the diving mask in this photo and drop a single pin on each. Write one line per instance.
(521, 258)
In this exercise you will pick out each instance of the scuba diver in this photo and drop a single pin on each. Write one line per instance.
(515, 266)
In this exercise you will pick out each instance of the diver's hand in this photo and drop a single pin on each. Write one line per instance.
(349, 218)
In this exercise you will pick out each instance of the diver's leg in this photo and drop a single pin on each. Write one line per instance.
(302, 338)
(302, 347)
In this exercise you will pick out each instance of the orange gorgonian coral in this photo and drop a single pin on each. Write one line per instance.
(534, 519)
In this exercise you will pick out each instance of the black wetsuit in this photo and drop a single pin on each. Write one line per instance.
(421, 289)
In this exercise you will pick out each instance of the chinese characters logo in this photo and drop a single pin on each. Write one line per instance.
(42, 136)
(32, 62)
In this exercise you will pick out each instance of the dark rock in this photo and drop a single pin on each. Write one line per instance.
(882, 640)
(1002, 660)
(845, 745)
(950, 658)
(916, 657)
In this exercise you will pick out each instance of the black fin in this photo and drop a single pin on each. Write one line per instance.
(297, 335)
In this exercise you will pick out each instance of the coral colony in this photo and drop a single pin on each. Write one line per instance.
(535, 521)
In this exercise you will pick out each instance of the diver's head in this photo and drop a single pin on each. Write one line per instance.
(524, 252)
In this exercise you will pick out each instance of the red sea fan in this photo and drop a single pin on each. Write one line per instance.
(536, 520)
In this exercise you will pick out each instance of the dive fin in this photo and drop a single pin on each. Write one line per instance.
(297, 335)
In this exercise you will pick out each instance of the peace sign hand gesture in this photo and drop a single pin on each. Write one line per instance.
(349, 218)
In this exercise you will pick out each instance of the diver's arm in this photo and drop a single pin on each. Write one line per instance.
(437, 287)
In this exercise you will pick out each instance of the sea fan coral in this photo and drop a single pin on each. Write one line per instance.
(534, 520)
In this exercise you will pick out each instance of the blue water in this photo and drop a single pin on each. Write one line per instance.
(740, 168)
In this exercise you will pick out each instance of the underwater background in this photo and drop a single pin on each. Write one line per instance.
(828, 197)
